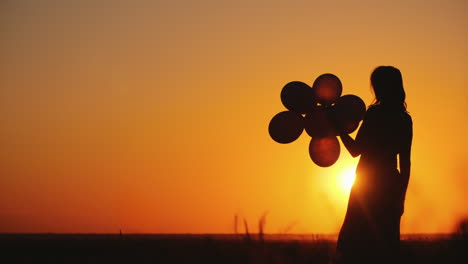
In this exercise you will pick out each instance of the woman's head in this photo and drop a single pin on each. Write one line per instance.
(387, 84)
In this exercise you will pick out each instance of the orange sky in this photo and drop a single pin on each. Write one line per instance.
(152, 116)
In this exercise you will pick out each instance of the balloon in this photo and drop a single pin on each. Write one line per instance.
(348, 111)
(327, 88)
(324, 151)
(286, 126)
(317, 123)
(297, 97)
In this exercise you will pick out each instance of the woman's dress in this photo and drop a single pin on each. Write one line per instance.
(371, 227)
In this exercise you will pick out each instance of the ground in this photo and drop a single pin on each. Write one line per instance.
(51, 248)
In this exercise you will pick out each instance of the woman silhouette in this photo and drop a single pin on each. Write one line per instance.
(371, 228)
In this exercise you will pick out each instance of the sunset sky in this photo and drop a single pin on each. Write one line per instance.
(152, 116)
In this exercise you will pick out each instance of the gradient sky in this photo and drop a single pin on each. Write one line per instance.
(152, 116)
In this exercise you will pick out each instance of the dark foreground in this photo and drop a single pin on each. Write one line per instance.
(51, 248)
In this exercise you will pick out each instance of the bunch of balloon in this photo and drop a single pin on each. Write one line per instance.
(322, 112)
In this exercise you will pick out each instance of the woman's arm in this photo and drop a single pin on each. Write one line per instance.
(405, 163)
(350, 144)
(405, 167)
(355, 146)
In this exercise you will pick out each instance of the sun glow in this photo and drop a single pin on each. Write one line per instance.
(346, 179)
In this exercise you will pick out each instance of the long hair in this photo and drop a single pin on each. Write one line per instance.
(387, 84)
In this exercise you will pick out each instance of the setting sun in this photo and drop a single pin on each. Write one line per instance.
(346, 179)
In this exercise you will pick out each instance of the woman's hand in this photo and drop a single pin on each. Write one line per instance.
(401, 206)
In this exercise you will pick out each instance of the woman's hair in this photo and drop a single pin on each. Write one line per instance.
(387, 84)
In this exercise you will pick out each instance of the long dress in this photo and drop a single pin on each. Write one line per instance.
(371, 228)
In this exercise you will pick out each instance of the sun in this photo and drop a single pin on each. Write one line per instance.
(337, 183)
(345, 179)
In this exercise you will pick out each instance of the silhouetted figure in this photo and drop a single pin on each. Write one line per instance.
(371, 228)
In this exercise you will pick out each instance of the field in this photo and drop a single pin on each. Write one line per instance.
(135, 248)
